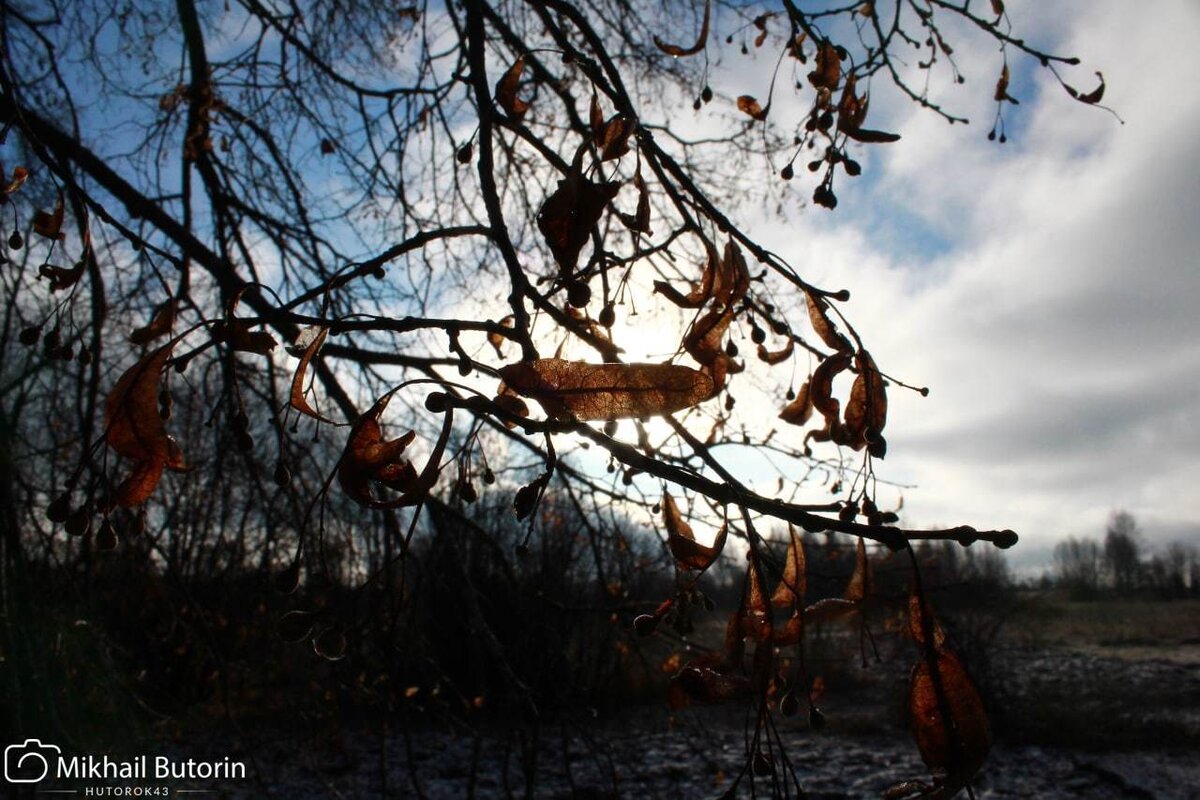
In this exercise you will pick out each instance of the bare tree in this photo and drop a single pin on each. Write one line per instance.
(408, 195)
(1122, 556)
(1078, 564)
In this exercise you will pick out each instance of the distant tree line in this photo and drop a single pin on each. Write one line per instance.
(1122, 566)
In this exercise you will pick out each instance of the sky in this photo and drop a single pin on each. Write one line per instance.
(1043, 289)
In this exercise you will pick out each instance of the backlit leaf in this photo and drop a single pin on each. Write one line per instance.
(19, 176)
(818, 315)
(859, 586)
(569, 214)
(747, 104)
(1001, 94)
(821, 386)
(755, 613)
(160, 325)
(794, 583)
(948, 719)
(828, 72)
(799, 411)
(607, 391)
(688, 552)
(866, 411)
(298, 400)
(134, 429)
(62, 277)
(699, 295)
(774, 357)
(49, 223)
(496, 340)
(506, 90)
(370, 459)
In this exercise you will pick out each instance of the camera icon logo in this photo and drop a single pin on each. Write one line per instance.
(28, 762)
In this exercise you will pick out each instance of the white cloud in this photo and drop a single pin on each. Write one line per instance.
(1057, 326)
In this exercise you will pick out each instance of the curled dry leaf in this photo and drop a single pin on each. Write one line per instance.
(610, 138)
(1001, 93)
(689, 553)
(676, 50)
(371, 459)
(639, 221)
(19, 176)
(998, 7)
(159, 325)
(799, 411)
(732, 279)
(506, 90)
(49, 223)
(1092, 97)
(920, 619)
(508, 400)
(750, 106)
(297, 400)
(852, 112)
(773, 357)
(699, 295)
(948, 719)
(134, 429)
(821, 386)
(828, 72)
(794, 583)
(859, 586)
(818, 315)
(607, 391)
(496, 340)
(236, 333)
(755, 613)
(62, 277)
(569, 214)
(866, 411)
(702, 341)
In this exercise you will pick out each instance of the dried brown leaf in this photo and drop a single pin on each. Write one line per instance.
(1001, 94)
(750, 106)
(866, 411)
(134, 429)
(612, 137)
(62, 277)
(506, 90)
(860, 580)
(607, 391)
(794, 583)
(569, 214)
(774, 357)
(689, 553)
(298, 400)
(828, 72)
(755, 613)
(369, 458)
(829, 609)
(19, 176)
(821, 386)
(920, 618)
(949, 722)
(799, 411)
(49, 224)
(496, 340)
(818, 315)
(159, 325)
